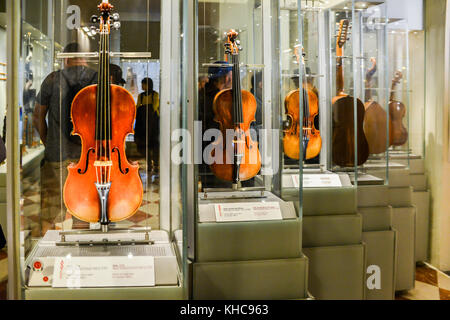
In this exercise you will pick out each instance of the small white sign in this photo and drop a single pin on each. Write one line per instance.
(252, 211)
(92, 272)
(318, 181)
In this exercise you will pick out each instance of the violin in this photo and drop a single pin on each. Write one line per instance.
(398, 135)
(343, 141)
(234, 109)
(311, 139)
(375, 119)
(103, 187)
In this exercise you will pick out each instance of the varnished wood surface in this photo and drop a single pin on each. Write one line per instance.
(343, 142)
(80, 194)
(291, 140)
(223, 114)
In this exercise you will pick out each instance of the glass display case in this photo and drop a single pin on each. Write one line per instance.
(98, 90)
(346, 67)
(407, 97)
(235, 91)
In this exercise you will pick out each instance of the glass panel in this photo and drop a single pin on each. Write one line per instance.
(98, 108)
(373, 87)
(398, 43)
(417, 93)
(330, 71)
(3, 103)
(215, 74)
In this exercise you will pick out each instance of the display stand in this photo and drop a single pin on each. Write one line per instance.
(421, 200)
(332, 241)
(404, 221)
(380, 239)
(40, 280)
(232, 258)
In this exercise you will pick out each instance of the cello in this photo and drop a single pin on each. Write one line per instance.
(343, 142)
(311, 139)
(234, 110)
(398, 135)
(375, 119)
(103, 187)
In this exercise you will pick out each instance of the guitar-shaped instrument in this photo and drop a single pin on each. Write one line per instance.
(398, 135)
(311, 139)
(103, 187)
(375, 119)
(343, 143)
(234, 109)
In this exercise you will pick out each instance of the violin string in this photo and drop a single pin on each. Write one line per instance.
(102, 71)
(109, 108)
(105, 68)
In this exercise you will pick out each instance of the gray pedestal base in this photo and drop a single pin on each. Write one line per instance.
(254, 280)
(156, 293)
(381, 253)
(337, 272)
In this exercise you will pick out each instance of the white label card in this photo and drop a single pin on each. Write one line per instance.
(85, 272)
(318, 181)
(251, 211)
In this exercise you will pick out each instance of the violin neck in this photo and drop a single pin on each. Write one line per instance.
(392, 96)
(305, 96)
(339, 70)
(236, 89)
(103, 122)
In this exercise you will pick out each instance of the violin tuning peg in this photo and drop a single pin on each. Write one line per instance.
(94, 19)
(241, 49)
(116, 17)
(116, 25)
(238, 42)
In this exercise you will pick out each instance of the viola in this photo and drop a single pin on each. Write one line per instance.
(311, 139)
(234, 109)
(103, 187)
(398, 135)
(375, 119)
(343, 142)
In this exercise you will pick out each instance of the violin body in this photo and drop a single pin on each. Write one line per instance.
(375, 119)
(80, 194)
(398, 135)
(343, 141)
(375, 127)
(312, 142)
(343, 105)
(223, 114)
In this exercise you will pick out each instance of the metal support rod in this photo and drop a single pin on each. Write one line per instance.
(12, 150)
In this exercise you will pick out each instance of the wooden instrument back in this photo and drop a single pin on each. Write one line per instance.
(343, 141)
(398, 135)
(375, 119)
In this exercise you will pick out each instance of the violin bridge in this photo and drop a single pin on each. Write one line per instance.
(103, 164)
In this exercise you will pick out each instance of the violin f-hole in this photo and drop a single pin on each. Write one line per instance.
(120, 161)
(87, 162)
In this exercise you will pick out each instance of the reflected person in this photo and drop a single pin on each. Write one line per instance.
(146, 132)
(52, 119)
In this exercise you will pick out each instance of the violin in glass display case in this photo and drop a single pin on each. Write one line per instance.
(234, 109)
(311, 139)
(398, 135)
(344, 135)
(103, 187)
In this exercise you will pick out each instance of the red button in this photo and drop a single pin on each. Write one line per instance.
(37, 265)
(45, 279)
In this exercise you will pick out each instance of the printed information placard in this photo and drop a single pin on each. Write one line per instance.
(91, 272)
(251, 211)
(318, 181)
